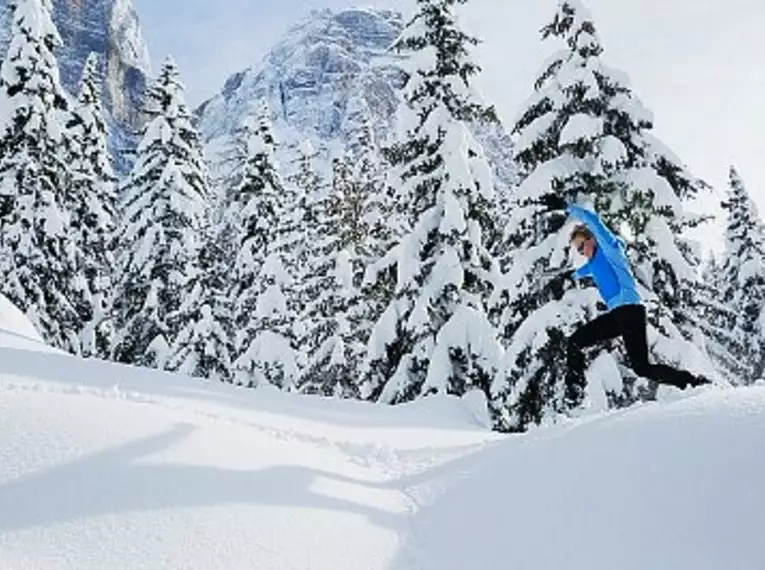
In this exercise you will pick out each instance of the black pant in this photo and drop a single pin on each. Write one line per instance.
(629, 322)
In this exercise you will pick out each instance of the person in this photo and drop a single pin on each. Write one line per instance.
(609, 268)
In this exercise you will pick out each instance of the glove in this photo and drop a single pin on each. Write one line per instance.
(553, 202)
(558, 283)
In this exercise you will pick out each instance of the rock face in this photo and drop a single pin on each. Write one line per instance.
(318, 77)
(309, 78)
(109, 28)
(323, 72)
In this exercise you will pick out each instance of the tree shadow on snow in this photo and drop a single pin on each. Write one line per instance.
(116, 481)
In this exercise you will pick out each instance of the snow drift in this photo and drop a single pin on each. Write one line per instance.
(106, 466)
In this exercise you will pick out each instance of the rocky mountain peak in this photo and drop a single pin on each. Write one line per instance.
(327, 71)
(312, 74)
(109, 28)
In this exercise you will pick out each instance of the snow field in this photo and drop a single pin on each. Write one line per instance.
(107, 466)
(662, 486)
(103, 466)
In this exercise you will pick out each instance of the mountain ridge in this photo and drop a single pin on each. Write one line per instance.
(319, 75)
(111, 29)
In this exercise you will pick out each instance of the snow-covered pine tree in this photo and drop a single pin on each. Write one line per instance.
(357, 223)
(712, 272)
(306, 189)
(743, 279)
(208, 348)
(36, 254)
(323, 316)
(505, 181)
(333, 310)
(163, 212)
(247, 225)
(302, 235)
(263, 320)
(435, 336)
(204, 345)
(382, 225)
(586, 137)
(91, 196)
(229, 184)
(721, 325)
(379, 226)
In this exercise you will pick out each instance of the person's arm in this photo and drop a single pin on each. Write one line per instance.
(602, 234)
(611, 245)
(584, 271)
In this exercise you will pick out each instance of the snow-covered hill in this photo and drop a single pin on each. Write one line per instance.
(105, 466)
(17, 331)
(662, 487)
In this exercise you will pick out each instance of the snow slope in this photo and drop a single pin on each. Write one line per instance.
(662, 487)
(105, 466)
(16, 330)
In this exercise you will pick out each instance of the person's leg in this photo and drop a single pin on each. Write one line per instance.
(633, 325)
(602, 328)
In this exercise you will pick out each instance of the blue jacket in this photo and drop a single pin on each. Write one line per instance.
(609, 267)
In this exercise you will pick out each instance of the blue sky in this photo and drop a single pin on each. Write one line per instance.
(695, 63)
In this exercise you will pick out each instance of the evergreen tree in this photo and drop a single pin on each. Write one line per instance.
(333, 309)
(743, 279)
(163, 212)
(204, 345)
(230, 185)
(498, 144)
(91, 204)
(207, 347)
(265, 341)
(302, 233)
(306, 190)
(434, 335)
(37, 267)
(371, 216)
(721, 324)
(712, 273)
(587, 138)
(377, 229)
(353, 227)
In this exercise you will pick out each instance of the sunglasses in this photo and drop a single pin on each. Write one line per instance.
(580, 247)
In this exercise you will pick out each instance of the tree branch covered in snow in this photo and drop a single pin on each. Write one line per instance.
(434, 336)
